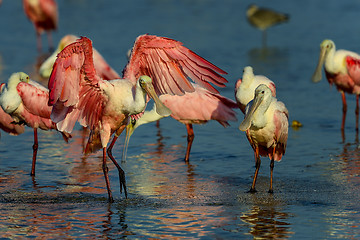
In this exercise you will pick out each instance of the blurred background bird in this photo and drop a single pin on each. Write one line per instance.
(342, 68)
(44, 16)
(264, 18)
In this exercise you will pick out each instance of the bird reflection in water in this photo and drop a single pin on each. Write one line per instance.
(348, 169)
(266, 219)
(46, 221)
(269, 59)
(85, 174)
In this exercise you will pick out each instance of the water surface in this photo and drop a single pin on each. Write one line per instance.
(316, 185)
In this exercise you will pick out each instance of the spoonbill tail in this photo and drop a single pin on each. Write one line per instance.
(102, 68)
(342, 68)
(266, 125)
(44, 16)
(245, 87)
(196, 107)
(157, 65)
(26, 101)
(264, 18)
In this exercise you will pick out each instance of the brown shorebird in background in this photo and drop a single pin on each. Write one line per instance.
(263, 18)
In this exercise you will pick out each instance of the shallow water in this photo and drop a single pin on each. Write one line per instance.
(316, 185)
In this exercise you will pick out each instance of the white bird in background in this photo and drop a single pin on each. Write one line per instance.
(266, 125)
(245, 87)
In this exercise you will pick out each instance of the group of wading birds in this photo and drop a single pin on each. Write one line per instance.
(83, 88)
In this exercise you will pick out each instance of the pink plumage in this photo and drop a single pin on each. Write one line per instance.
(170, 63)
(200, 106)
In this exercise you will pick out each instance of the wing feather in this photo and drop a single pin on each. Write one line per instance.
(171, 66)
(74, 87)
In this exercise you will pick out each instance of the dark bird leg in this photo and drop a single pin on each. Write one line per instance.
(257, 165)
(344, 114)
(271, 175)
(106, 175)
(190, 139)
(272, 169)
(357, 114)
(120, 170)
(35, 148)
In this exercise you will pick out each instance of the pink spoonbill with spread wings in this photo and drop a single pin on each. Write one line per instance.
(157, 65)
(196, 107)
(342, 68)
(245, 87)
(266, 125)
(44, 16)
(26, 101)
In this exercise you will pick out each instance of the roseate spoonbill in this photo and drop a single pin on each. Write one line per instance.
(245, 87)
(102, 68)
(266, 125)
(77, 93)
(263, 18)
(342, 69)
(196, 107)
(7, 123)
(44, 16)
(26, 101)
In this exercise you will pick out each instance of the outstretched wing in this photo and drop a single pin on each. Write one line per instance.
(170, 65)
(74, 87)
